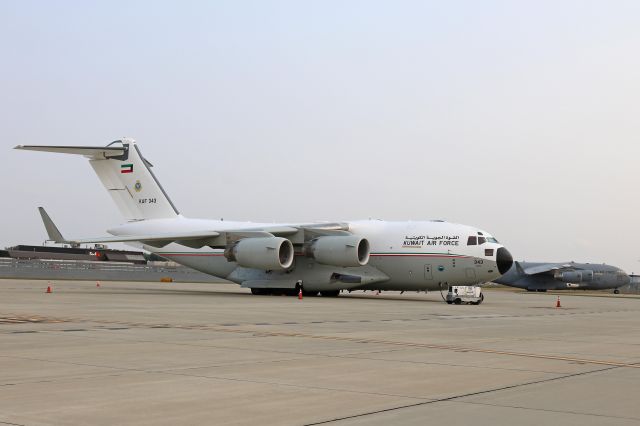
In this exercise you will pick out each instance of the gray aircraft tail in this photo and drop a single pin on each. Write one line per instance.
(52, 230)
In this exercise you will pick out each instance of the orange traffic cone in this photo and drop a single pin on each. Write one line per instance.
(558, 303)
(49, 290)
(97, 283)
(300, 295)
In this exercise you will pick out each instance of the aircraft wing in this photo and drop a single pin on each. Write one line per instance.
(220, 239)
(547, 267)
(199, 239)
(192, 239)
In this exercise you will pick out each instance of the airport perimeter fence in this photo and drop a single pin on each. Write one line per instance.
(101, 271)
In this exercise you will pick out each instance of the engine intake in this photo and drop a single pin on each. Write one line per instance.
(262, 253)
(573, 276)
(339, 250)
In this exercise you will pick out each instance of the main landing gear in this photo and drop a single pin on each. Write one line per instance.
(278, 291)
(274, 291)
(293, 292)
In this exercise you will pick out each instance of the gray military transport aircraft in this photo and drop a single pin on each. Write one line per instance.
(285, 258)
(538, 276)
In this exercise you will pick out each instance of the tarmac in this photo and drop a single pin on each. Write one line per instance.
(205, 354)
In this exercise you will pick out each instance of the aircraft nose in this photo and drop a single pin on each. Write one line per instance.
(504, 260)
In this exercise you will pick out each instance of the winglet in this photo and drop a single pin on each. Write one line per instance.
(52, 229)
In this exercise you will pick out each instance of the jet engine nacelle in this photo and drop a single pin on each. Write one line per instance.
(339, 250)
(262, 253)
(573, 276)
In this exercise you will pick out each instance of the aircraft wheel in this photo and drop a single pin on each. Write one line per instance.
(616, 291)
(330, 293)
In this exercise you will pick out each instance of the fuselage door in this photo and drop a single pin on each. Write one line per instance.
(471, 274)
(428, 272)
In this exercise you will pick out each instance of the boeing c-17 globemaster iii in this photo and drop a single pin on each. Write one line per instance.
(538, 276)
(289, 257)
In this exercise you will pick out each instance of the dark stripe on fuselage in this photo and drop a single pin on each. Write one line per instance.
(460, 256)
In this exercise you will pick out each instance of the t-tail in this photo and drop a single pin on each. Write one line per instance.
(126, 175)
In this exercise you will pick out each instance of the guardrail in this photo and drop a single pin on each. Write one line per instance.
(92, 270)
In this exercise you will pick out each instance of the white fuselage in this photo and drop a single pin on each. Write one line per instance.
(423, 255)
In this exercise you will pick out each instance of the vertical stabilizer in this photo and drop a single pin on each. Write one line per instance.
(133, 186)
(126, 175)
(52, 230)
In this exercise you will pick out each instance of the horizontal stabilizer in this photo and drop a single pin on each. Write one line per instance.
(125, 174)
(93, 152)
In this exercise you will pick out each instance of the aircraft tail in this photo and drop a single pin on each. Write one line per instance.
(126, 175)
(519, 268)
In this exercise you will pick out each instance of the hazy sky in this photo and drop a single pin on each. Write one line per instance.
(522, 118)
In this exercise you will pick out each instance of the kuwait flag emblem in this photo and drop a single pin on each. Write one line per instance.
(126, 168)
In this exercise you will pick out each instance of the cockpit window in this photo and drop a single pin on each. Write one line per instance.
(481, 240)
(492, 240)
(472, 241)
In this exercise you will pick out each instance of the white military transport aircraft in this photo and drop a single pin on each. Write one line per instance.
(286, 258)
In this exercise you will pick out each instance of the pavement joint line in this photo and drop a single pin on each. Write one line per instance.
(356, 355)
(383, 342)
(457, 348)
(546, 410)
(65, 379)
(223, 378)
(11, 424)
(456, 397)
(231, 364)
(293, 385)
(552, 312)
(353, 355)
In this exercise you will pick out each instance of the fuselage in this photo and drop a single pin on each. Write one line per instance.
(421, 255)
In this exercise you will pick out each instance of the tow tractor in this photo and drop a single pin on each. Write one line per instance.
(469, 294)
